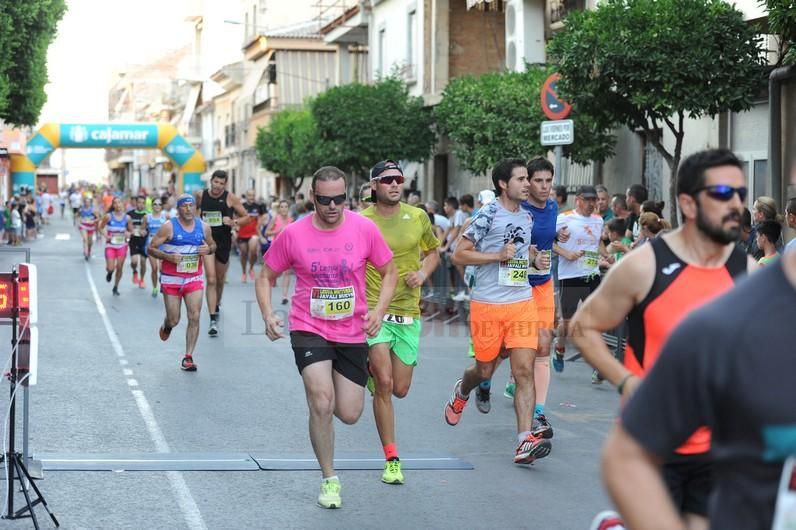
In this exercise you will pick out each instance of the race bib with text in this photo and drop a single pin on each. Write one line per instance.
(398, 319)
(189, 263)
(513, 273)
(332, 303)
(213, 218)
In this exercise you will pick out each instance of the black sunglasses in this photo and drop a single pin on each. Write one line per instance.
(724, 193)
(325, 200)
(390, 179)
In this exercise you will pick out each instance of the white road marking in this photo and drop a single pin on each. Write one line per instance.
(127, 372)
(188, 506)
(132, 382)
(63, 237)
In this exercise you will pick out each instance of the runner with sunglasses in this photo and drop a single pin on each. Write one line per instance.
(393, 352)
(657, 285)
(329, 316)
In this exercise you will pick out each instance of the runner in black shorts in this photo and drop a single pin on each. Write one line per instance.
(329, 316)
(216, 208)
(578, 263)
(248, 242)
(137, 227)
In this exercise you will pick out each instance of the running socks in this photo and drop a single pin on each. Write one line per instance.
(213, 317)
(541, 380)
(486, 385)
(390, 452)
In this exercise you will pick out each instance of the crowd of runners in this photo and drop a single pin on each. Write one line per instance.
(536, 278)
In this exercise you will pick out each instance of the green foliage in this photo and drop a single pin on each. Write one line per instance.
(649, 64)
(361, 124)
(633, 61)
(782, 22)
(495, 116)
(289, 145)
(26, 30)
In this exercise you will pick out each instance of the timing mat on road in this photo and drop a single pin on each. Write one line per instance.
(360, 461)
(238, 462)
(148, 462)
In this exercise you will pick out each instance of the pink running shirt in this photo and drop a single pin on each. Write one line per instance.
(330, 274)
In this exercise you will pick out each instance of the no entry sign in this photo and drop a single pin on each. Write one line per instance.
(552, 105)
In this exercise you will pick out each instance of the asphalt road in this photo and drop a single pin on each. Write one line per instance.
(117, 389)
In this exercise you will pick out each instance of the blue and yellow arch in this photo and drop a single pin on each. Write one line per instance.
(163, 136)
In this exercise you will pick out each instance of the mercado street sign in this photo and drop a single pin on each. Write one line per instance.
(558, 132)
(109, 135)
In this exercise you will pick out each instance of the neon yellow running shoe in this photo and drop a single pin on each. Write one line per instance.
(371, 385)
(330, 494)
(392, 472)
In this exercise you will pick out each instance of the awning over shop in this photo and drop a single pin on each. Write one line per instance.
(190, 106)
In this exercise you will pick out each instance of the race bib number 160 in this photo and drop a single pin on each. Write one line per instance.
(332, 303)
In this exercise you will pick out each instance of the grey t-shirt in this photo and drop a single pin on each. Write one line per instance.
(729, 367)
(493, 228)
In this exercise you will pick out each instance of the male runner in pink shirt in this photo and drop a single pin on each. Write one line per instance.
(329, 318)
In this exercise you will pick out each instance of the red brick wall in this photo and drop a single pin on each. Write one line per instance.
(477, 40)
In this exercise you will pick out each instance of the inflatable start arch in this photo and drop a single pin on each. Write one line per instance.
(163, 136)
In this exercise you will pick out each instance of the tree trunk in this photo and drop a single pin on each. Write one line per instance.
(673, 217)
(297, 183)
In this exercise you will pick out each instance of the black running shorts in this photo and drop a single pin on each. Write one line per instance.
(573, 291)
(137, 246)
(223, 239)
(349, 360)
(689, 479)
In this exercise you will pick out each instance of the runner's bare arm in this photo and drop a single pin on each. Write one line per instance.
(751, 265)
(103, 222)
(633, 478)
(164, 234)
(427, 267)
(243, 217)
(465, 254)
(623, 287)
(209, 242)
(270, 232)
(389, 280)
(262, 288)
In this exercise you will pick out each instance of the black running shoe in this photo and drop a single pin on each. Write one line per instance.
(541, 427)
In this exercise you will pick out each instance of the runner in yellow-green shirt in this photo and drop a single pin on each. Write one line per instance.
(393, 352)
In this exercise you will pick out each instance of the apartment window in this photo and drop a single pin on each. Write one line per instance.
(411, 47)
(755, 165)
(382, 51)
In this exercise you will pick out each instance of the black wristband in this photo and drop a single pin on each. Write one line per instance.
(621, 386)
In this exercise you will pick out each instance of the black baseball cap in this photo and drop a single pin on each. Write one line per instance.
(586, 192)
(383, 166)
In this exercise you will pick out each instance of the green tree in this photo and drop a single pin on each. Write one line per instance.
(26, 31)
(362, 124)
(650, 64)
(497, 115)
(782, 22)
(289, 145)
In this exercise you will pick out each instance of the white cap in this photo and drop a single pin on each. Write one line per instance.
(486, 196)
